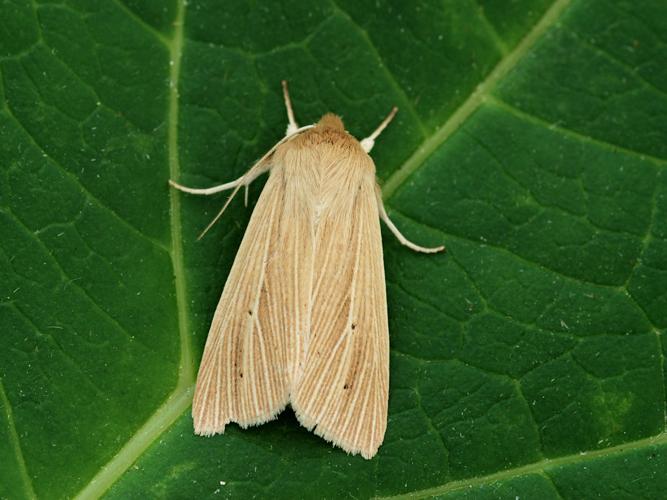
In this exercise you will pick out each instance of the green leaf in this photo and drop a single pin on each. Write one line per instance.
(526, 362)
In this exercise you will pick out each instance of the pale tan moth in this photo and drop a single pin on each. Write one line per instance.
(303, 315)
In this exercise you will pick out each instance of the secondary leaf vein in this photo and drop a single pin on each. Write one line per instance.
(144, 25)
(473, 102)
(84, 191)
(390, 76)
(491, 30)
(16, 444)
(513, 254)
(535, 468)
(72, 281)
(661, 162)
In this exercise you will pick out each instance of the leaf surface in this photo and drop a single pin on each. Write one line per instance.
(527, 361)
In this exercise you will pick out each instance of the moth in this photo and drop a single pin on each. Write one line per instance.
(302, 319)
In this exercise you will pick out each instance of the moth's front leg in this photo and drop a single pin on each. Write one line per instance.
(263, 165)
(392, 227)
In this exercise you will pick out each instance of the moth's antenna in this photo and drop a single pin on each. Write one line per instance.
(222, 210)
(292, 126)
(369, 141)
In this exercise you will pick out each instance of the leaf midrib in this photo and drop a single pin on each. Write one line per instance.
(186, 364)
(179, 400)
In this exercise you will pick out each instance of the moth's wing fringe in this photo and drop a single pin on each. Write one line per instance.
(247, 367)
(343, 390)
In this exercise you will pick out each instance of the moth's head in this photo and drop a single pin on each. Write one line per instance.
(328, 132)
(331, 121)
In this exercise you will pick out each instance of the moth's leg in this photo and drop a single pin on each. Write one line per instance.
(392, 227)
(210, 190)
(263, 165)
(369, 141)
(222, 211)
(241, 181)
(292, 126)
(258, 169)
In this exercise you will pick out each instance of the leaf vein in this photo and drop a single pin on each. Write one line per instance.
(390, 76)
(534, 468)
(84, 190)
(16, 444)
(661, 162)
(513, 254)
(41, 333)
(72, 281)
(142, 23)
(476, 99)
(180, 398)
(186, 365)
(491, 30)
(629, 70)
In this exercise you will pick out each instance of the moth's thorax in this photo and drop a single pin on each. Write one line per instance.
(326, 146)
(329, 131)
